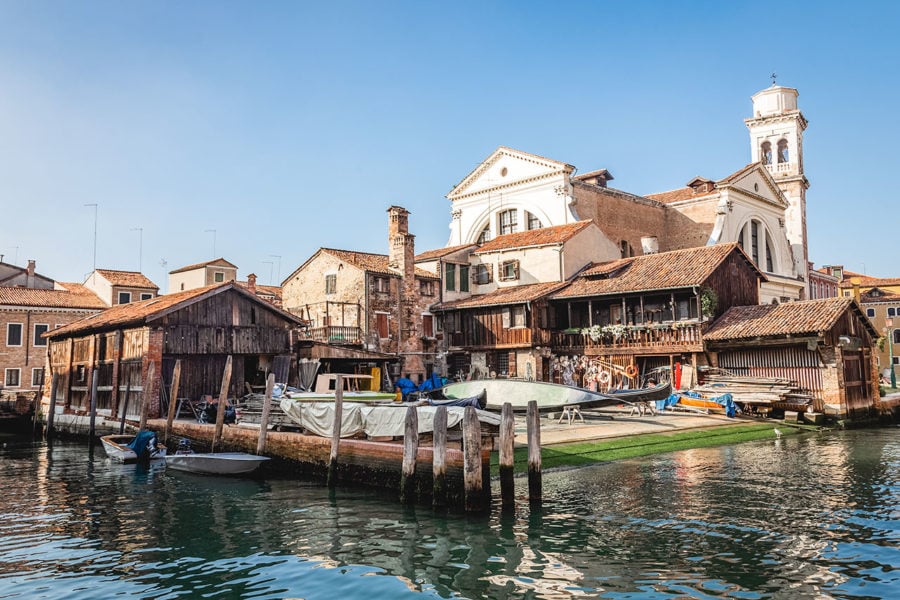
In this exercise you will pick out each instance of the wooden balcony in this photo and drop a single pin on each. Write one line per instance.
(649, 339)
(334, 334)
(486, 338)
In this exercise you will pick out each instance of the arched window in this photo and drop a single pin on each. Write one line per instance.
(484, 236)
(765, 153)
(756, 241)
(532, 221)
(892, 312)
(509, 221)
(783, 151)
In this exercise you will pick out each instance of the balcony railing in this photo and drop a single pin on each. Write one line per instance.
(640, 337)
(782, 167)
(335, 334)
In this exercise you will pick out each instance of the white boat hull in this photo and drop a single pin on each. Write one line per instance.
(549, 396)
(218, 463)
(116, 448)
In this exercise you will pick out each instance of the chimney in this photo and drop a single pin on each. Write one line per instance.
(400, 242)
(29, 274)
(251, 283)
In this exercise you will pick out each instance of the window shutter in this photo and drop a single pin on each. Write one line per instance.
(506, 318)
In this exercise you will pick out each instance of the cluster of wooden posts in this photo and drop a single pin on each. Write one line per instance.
(477, 498)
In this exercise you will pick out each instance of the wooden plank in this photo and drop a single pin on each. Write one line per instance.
(534, 452)
(336, 433)
(54, 382)
(92, 429)
(223, 399)
(173, 399)
(472, 476)
(266, 411)
(410, 450)
(125, 407)
(507, 439)
(145, 395)
(439, 457)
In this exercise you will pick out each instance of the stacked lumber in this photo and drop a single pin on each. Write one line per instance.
(251, 406)
(754, 390)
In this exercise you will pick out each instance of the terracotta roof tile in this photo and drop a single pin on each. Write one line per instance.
(508, 295)
(128, 279)
(374, 263)
(883, 296)
(678, 195)
(441, 252)
(268, 290)
(218, 262)
(771, 320)
(865, 281)
(663, 271)
(136, 313)
(78, 298)
(535, 237)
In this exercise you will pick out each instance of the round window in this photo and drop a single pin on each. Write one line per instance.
(503, 172)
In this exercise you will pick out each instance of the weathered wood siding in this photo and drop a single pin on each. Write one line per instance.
(735, 283)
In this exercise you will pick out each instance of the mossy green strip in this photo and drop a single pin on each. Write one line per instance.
(584, 453)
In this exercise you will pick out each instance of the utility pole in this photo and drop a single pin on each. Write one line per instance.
(94, 204)
(140, 231)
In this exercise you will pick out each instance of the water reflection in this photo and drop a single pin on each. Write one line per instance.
(809, 516)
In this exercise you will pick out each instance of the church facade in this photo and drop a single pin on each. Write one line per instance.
(761, 207)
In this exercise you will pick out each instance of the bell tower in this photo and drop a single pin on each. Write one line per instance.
(776, 140)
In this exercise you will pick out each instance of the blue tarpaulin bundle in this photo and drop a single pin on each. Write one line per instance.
(725, 400)
(143, 443)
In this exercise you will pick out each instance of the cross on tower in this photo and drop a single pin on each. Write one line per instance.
(773, 76)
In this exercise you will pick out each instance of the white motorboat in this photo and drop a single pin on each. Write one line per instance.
(215, 463)
(123, 447)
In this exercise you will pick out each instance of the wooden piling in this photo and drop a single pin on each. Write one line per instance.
(125, 408)
(472, 476)
(439, 456)
(223, 400)
(336, 433)
(534, 452)
(145, 395)
(54, 383)
(173, 399)
(92, 429)
(410, 450)
(264, 419)
(507, 458)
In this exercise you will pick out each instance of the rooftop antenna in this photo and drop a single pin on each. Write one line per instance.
(270, 263)
(94, 204)
(213, 231)
(140, 231)
(278, 271)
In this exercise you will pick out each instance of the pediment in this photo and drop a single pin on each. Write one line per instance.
(755, 180)
(505, 168)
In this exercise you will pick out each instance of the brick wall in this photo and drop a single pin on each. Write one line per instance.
(27, 356)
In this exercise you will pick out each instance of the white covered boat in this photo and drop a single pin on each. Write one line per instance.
(123, 448)
(215, 463)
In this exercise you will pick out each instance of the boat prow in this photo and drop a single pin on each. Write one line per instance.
(122, 448)
(548, 396)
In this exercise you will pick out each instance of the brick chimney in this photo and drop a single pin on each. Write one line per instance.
(29, 274)
(251, 283)
(401, 259)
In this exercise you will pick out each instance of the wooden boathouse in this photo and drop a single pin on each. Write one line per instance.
(201, 327)
(826, 346)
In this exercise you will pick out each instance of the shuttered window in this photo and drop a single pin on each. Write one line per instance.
(381, 325)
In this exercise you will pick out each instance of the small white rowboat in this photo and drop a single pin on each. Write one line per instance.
(215, 463)
(117, 448)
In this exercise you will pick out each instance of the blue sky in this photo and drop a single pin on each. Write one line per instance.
(286, 126)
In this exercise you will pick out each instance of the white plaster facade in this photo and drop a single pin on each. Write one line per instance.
(510, 180)
(202, 275)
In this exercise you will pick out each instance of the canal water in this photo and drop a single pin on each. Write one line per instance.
(813, 516)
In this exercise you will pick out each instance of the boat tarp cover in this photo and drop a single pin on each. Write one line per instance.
(141, 441)
(725, 400)
(374, 421)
